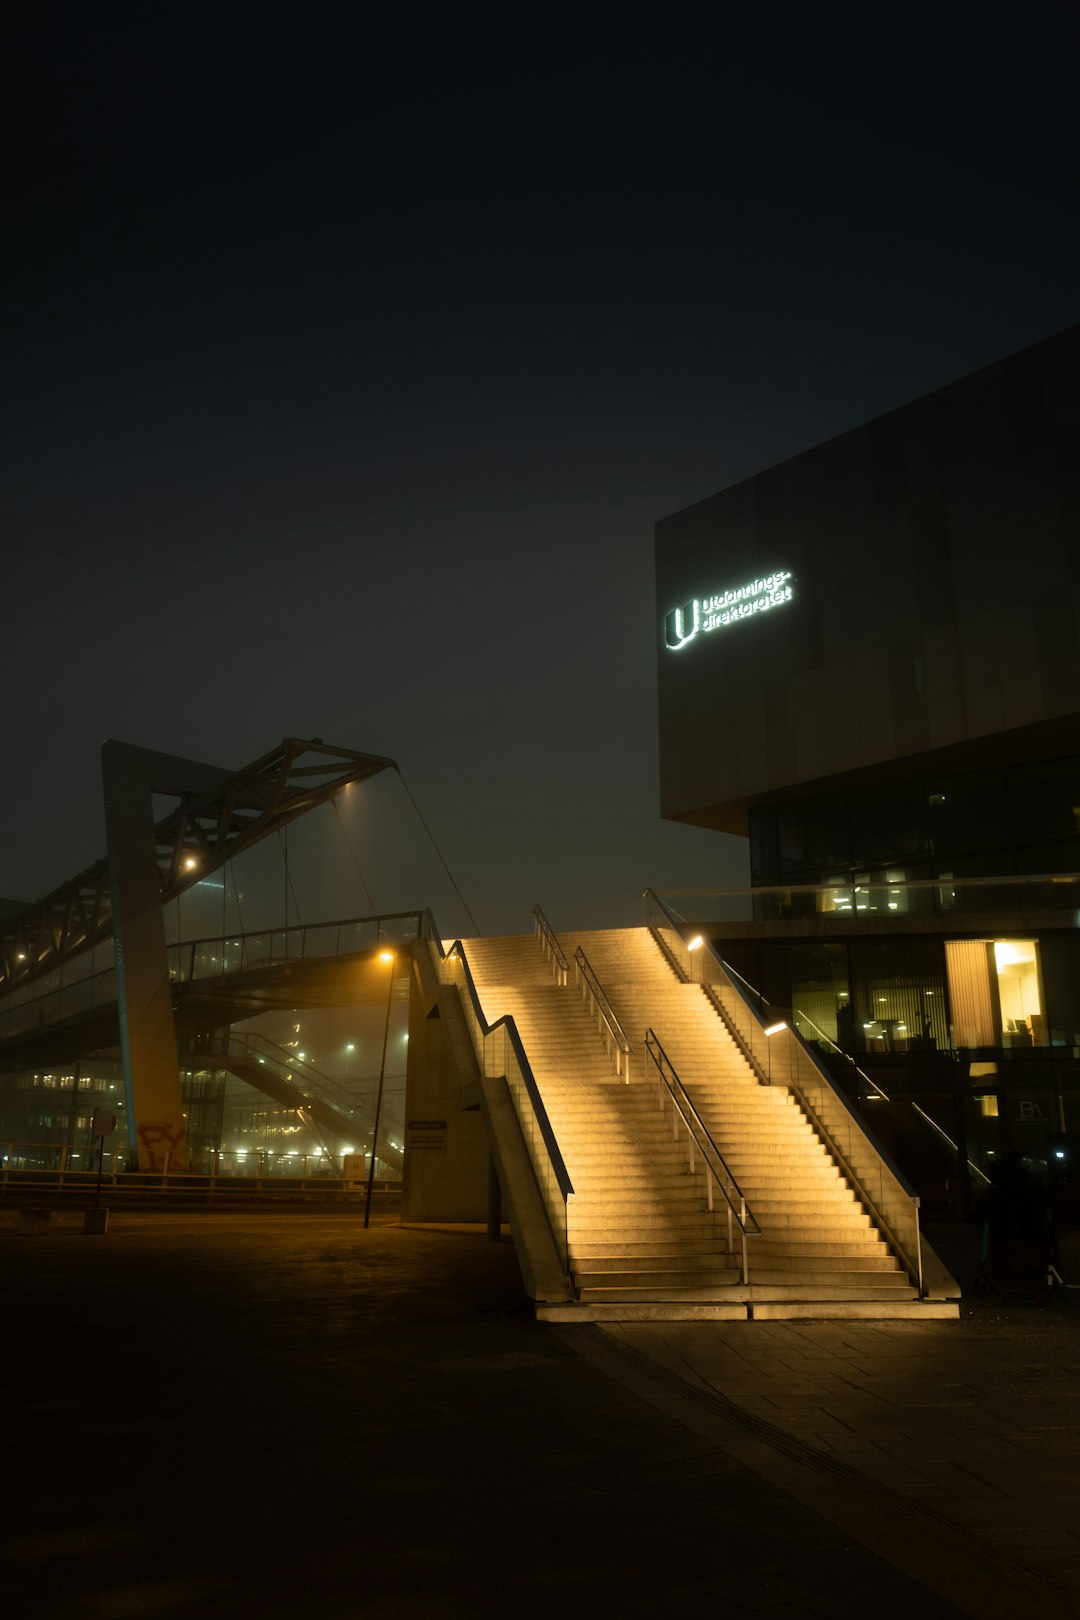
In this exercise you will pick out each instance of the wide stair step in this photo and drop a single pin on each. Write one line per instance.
(642, 1243)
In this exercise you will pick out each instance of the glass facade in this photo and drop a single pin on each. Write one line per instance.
(1024, 820)
(956, 1051)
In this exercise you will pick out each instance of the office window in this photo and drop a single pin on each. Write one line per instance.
(898, 989)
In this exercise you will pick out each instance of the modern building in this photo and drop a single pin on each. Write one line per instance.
(869, 668)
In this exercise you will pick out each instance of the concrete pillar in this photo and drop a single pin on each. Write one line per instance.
(130, 777)
(445, 1176)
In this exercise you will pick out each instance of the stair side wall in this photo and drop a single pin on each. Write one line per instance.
(445, 1176)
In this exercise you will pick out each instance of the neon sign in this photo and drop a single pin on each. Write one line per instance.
(717, 612)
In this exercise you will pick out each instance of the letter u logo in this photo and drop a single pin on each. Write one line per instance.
(676, 633)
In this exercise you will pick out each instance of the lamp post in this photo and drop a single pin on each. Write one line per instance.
(388, 958)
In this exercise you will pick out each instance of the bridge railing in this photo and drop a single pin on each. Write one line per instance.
(59, 996)
(232, 952)
(57, 1001)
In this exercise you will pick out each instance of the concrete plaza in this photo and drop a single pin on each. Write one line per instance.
(260, 1415)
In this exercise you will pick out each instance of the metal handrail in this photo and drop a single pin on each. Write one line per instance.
(295, 1067)
(945, 1137)
(553, 951)
(507, 1022)
(481, 1030)
(912, 1262)
(614, 1036)
(699, 1136)
(797, 1012)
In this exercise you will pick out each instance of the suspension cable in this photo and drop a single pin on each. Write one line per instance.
(284, 842)
(230, 867)
(439, 853)
(356, 863)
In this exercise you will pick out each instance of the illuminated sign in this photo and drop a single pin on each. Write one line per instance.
(682, 624)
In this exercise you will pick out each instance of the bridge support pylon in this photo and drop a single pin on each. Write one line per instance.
(130, 777)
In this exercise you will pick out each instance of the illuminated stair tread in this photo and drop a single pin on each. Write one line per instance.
(642, 1243)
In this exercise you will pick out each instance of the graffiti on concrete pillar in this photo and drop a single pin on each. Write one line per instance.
(160, 1141)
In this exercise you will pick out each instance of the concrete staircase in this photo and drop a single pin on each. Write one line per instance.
(642, 1243)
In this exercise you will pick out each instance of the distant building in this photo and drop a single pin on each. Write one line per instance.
(869, 666)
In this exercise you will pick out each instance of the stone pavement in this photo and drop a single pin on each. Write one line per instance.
(286, 1418)
(951, 1449)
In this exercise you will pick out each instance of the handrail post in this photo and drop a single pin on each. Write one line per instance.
(917, 1202)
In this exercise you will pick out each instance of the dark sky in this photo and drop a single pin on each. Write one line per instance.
(349, 362)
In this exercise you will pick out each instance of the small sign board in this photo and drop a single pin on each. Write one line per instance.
(425, 1135)
(103, 1122)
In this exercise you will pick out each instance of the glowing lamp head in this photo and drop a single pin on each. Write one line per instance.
(386, 956)
(774, 1029)
(190, 864)
(695, 944)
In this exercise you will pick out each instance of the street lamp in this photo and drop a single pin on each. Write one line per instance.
(388, 958)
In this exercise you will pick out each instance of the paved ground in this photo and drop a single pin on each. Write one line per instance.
(953, 1449)
(285, 1417)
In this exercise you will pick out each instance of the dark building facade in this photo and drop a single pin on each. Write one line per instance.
(869, 666)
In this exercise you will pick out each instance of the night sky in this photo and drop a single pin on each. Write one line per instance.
(349, 363)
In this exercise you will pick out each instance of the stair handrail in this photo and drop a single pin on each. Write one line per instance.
(847, 1058)
(615, 1038)
(779, 1055)
(495, 1046)
(339, 1094)
(277, 1063)
(553, 951)
(717, 1170)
